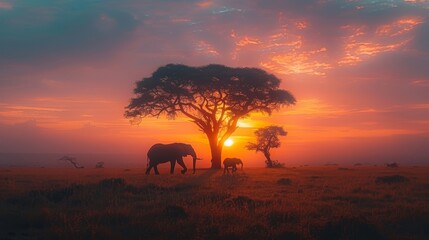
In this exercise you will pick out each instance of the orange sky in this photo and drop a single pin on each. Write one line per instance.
(357, 68)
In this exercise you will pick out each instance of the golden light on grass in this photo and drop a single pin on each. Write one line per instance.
(228, 142)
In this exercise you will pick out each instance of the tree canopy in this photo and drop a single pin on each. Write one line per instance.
(214, 97)
(267, 138)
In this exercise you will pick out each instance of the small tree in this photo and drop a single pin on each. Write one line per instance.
(214, 97)
(72, 160)
(99, 165)
(267, 138)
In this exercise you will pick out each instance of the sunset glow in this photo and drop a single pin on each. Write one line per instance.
(228, 142)
(358, 70)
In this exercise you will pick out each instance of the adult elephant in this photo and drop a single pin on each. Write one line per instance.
(162, 153)
(231, 162)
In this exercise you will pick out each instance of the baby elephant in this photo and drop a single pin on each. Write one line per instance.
(231, 163)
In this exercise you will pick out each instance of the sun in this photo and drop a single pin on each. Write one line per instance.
(228, 142)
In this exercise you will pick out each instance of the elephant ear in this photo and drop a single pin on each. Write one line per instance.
(185, 149)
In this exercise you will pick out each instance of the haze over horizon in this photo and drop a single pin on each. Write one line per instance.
(359, 71)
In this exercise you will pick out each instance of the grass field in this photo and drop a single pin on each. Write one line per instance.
(326, 202)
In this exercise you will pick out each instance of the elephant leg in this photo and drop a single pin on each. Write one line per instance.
(148, 169)
(155, 167)
(181, 163)
(172, 163)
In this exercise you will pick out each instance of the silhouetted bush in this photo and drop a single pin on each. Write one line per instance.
(243, 200)
(112, 182)
(58, 195)
(275, 164)
(392, 165)
(391, 179)
(53, 195)
(349, 228)
(284, 181)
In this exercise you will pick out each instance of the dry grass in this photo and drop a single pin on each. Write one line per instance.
(287, 203)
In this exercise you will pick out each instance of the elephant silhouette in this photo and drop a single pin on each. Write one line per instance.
(174, 152)
(231, 162)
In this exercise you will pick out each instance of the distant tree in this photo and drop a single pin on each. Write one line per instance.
(214, 97)
(267, 138)
(72, 160)
(99, 165)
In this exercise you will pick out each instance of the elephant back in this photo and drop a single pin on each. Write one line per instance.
(230, 161)
(163, 152)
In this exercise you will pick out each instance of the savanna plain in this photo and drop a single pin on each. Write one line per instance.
(302, 202)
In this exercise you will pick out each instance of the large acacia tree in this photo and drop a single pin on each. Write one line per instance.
(214, 97)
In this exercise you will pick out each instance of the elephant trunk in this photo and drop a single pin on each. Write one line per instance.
(193, 166)
(241, 165)
(194, 160)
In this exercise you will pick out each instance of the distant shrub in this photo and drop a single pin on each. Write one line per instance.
(243, 200)
(391, 179)
(284, 181)
(37, 197)
(112, 182)
(392, 165)
(58, 195)
(358, 164)
(275, 164)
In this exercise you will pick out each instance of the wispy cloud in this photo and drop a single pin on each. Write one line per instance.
(205, 48)
(304, 62)
(32, 108)
(71, 100)
(360, 42)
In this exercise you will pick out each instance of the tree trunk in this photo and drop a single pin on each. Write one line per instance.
(216, 158)
(268, 157)
(216, 152)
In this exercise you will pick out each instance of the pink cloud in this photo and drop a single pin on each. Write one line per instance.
(399, 27)
(304, 62)
(205, 48)
(361, 43)
(6, 5)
